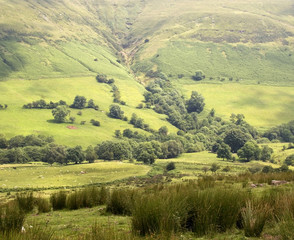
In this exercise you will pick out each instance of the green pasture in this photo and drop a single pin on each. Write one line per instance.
(16, 120)
(44, 176)
(262, 106)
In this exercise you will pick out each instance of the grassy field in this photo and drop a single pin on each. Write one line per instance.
(262, 106)
(16, 120)
(44, 176)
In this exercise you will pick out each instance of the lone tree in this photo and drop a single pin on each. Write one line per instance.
(60, 113)
(79, 102)
(199, 75)
(115, 112)
(195, 103)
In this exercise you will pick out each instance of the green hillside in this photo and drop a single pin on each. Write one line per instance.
(53, 50)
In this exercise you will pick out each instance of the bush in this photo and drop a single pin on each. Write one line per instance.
(170, 166)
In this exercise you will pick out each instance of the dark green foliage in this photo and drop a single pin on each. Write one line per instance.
(163, 131)
(290, 160)
(79, 102)
(91, 104)
(224, 151)
(11, 218)
(170, 166)
(3, 142)
(17, 141)
(214, 167)
(115, 112)
(55, 153)
(42, 104)
(146, 157)
(266, 153)
(95, 122)
(58, 200)
(250, 151)
(72, 119)
(75, 155)
(199, 75)
(172, 149)
(25, 201)
(121, 201)
(195, 103)
(101, 78)
(3, 106)
(60, 113)
(284, 133)
(90, 154)
(236, 139)
(110, 150)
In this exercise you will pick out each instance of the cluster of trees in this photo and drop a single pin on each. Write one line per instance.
(42, 104)
(3, 106)
(80, 102)
(139, 123)
(164, 99)
(39, 148)
(145, 152)
(283, 133)
(102, 78)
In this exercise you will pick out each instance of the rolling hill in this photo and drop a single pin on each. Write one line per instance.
(53, 50)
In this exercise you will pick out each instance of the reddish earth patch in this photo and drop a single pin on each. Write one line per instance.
(72, 127)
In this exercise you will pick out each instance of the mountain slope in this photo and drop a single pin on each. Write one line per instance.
(62, 45)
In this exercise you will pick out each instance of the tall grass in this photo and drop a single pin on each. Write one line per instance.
(43, 205)
(254, 217)
(58, 200)
(11, 218)
(121, 201)
(87, 198)
(31, 233)
(25, 201)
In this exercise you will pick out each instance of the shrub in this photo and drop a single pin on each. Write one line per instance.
(170, 166)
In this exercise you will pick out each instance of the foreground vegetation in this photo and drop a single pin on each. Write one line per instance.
(208, 207)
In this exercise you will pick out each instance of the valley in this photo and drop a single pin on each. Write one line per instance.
(128, 120)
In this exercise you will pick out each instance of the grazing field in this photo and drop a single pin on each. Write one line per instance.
(262, 106)
(16, 120)
(44, 176)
